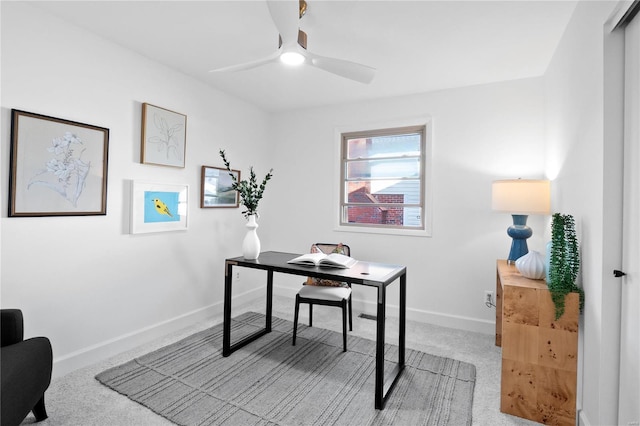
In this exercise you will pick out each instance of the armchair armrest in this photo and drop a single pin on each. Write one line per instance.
(11, 327)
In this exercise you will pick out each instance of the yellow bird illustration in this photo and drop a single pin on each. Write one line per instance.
(161, 207)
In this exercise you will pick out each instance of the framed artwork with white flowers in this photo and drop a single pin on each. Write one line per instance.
(58, 167)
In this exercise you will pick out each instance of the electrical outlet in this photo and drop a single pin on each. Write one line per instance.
(488, 298)
(238, 276)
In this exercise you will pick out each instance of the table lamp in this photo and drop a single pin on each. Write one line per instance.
(520, 198)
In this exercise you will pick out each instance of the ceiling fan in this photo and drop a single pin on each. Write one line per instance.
(292, 50)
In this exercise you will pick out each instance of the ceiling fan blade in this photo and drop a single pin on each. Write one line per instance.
(351, 70)
(286, 17)
(249, 65)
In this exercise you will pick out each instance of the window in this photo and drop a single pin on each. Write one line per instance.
(383, 179)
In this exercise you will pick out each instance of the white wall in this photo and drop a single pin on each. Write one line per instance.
(480, 134)
(583, 180)
(95, 290)
(85, 282)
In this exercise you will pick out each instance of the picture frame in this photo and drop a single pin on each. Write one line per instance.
(57, 167)
(158, 207)
(164, 136)
(216, 190)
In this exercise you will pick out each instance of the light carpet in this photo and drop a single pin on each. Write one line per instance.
(271, 382)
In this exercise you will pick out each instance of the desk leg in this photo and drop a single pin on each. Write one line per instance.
(403, 320)
(269, 308)
(380, 323)
(382, 389)
(226, 330)
(227, 347)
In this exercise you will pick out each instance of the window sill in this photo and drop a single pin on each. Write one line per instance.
(384, 231)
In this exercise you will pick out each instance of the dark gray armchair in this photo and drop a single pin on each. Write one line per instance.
(25, 370)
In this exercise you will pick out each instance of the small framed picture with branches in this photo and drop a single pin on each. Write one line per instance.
(164, 136)
(216, 189)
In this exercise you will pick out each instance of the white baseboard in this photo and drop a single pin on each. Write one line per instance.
(418, 315)
(108, 348)
(582, 418)
(103, 350)
(452, 321)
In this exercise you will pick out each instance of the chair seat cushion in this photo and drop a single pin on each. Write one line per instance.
(325, 293)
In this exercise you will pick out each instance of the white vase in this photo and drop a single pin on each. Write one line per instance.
(251, 242)
(531, 265)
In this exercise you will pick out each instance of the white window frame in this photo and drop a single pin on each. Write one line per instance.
(426, 183)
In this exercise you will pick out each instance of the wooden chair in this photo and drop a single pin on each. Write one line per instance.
(316, 291)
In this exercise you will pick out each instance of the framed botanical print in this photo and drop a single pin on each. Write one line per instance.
(158, 207)
(58, 167)
(164, 136)
(216, 188)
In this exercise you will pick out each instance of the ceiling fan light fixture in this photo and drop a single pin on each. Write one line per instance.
(292, 58)
(292, 46)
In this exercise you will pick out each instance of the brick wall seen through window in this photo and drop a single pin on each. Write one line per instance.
(383, 178)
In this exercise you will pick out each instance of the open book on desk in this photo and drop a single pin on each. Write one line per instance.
(333, 260)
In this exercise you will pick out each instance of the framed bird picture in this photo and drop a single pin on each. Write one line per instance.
(158, 207)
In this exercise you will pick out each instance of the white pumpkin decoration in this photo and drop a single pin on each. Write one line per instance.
(531, 265)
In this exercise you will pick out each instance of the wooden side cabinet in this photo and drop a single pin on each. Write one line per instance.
(539, 354)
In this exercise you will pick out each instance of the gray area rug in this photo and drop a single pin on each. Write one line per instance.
(271, 382)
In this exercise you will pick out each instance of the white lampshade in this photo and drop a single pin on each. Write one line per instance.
(521, 196)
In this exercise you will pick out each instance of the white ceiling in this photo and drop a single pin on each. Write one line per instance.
(416, 46)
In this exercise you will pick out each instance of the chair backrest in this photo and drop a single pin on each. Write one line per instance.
(11, 327)
(328, 248)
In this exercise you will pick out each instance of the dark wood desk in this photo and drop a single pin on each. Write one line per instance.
(364, 273)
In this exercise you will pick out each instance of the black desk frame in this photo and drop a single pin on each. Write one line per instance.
(363, 273)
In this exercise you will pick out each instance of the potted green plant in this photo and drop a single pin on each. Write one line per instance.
(564, 263)
(249, 190)
(250, 195)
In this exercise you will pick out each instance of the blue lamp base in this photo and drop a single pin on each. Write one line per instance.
(519, 231)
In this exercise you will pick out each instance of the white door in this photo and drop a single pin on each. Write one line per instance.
(629, 397)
